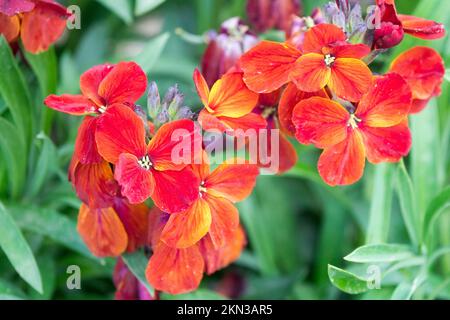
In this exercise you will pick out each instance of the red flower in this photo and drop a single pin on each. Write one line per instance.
(378, 129)
(39, 22)
(423, 69)
(148, 170)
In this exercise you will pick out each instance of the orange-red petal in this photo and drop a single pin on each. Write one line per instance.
(422, 28)
(267, 66)
(90, 82)
(343, 163)
(186, 228)
(85, 145)
(387, 103)
(13, 7)
(102, 231)
(202, 88)
(126, 83)
(322, 35)
(9, 27)
(356, 51)
(174, 270)
(120, 130)
(320, 121)
(350, 78)
(311, 73)
(77, 105)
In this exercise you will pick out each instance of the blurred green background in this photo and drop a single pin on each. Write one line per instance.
(296, 225)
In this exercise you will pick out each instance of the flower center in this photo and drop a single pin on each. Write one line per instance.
(329, 60)
(353, 121)
(102, 109)
(202, 188)
(145, 162)
(268, 111)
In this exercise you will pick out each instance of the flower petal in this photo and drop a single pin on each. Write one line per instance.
(126, 83)
(287, 155)
(320, 121)
(322, 35)
(422, 68)
(77, 105)
(9, 27)
(120, 130)
(251, 121)
(387, 102)
(13, 7)
(175, 191)
(90, 82)
(85, 145)
(422, 28)
(387, 144)
(343, 163)
(356, 51)
(137, 183)
(311, 73)
(350, 78)
(175, 271)
(186, 228)
(232, 181)
(224, 220)
(102, 231)
(42, 26)
(267, 66)
(202, 87)
(230, 97)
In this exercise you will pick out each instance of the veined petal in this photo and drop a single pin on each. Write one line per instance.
(175, 191)
(343, 163)
(225, 220)
(232, 181)
(350, 78)
(230, 97)
(42, 26)
(126, 83)
(202, 88)
(322, 35)
(422, 68)
(311, 73)
(287, 155)
(90, 82)
(120, 130)
(422, 28)
(102, 231)
(267, 66)
(289, 99)
(387, 102)
(137, 183)
(85, 145)
(186, 228)
(356, 51)
(156, 222)
(77, 105)
(249, 121)
(174, 270)
(9, 27)
(387, 144)
(175, 145)
(216, 259)
(320, 121)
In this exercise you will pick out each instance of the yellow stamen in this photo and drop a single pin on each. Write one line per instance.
(353, 121)
(329, 60)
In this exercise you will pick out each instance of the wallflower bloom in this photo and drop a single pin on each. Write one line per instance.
(149, 170)
(228, 105)
(377, 129)
(40, 23)
(423, 69)
(327, 60)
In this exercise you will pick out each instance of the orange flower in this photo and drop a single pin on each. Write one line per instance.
(228, 105)
(423, 69)
(40, 23)
(377, 129)
(327, 60)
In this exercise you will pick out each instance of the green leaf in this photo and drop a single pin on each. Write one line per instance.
(447, 75)
(402, 292)
(200, 294)
(144, 6)
(17, 250)
(408, 204)
(151, 52)
(137, 263)
(381, 202)
(347, 281)
(121, 8)
(378, 253)
(14, 91)
(435, 208)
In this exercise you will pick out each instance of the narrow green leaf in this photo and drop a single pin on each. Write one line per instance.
(377, 253)
(408, 204)
(381, 202)
(347, 281)
(200, 294)
(144, 6)
(121, 8)
(435, 208)
(151, 52)
(137, 263)
(402, 292)
(447, 75)
(17, 250)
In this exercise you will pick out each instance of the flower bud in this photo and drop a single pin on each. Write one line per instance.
(387, 36)
(299, 25)
(268, 14)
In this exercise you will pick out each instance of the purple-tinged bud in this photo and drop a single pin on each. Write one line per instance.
(269, 14)
(300, 25)
(387, 36)
(153, 100)
(225, 48)
(334, 15)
